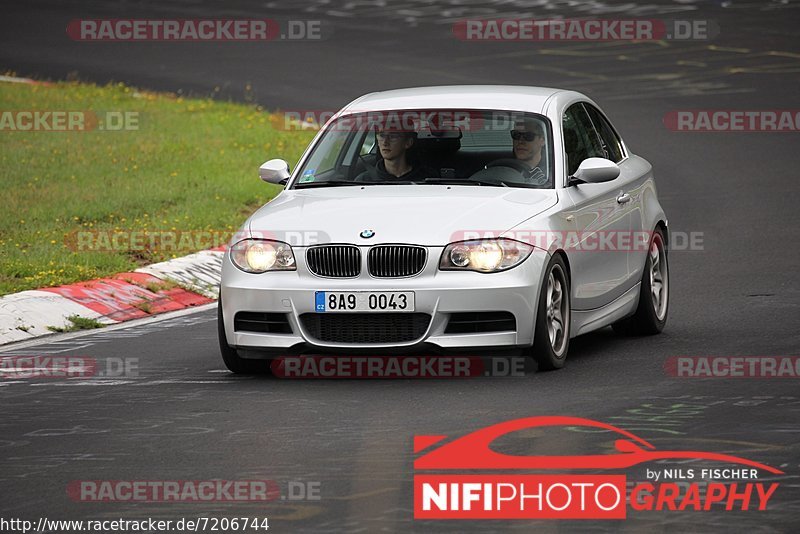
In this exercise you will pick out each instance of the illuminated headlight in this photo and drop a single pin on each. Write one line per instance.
(485, 256)
(260, 256)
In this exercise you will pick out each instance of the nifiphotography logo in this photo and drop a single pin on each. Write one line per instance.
(500, 491)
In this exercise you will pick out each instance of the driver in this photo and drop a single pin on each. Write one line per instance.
(528, 141)
(394, 163)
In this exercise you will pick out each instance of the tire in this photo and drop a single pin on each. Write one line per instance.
(230, 356)
(550, 346)
(652, 310)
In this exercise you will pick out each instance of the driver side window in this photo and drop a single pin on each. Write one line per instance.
(368, 144)
(580, 139)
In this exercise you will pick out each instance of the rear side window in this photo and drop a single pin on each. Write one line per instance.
(612, 145)
(580, 139)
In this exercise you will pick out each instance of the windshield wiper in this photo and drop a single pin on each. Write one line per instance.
(326, 183)
(388, 182)
(351, 182)
(458, 181)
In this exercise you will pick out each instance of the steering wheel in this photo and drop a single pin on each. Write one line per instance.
(531, 175)
(515, 164)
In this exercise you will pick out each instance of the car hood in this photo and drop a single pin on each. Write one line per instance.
(431, 215)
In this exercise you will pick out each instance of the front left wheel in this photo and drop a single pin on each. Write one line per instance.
(551, 338)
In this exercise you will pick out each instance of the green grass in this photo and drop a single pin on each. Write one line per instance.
(191, 165)
(163, 285)
(78, 323)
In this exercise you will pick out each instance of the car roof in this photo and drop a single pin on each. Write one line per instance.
(505, 97)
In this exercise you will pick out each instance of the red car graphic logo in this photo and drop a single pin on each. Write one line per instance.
(473, 450)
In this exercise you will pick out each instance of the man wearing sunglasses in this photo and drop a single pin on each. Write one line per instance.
(528, 140)
(394, 163)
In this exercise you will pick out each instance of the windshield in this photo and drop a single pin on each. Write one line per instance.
(443, 146)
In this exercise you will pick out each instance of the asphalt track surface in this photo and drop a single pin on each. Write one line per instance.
(185, 418)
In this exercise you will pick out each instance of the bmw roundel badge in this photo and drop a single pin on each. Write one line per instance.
(366, 234)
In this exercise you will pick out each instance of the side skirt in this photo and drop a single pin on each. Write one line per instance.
(584, 321)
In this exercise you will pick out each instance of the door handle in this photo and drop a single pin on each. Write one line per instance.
(624, 198)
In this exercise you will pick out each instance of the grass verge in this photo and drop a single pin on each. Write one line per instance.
(78, 323)
(190, 165)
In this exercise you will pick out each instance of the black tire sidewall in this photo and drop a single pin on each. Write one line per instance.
(648, 309)
(542, 349)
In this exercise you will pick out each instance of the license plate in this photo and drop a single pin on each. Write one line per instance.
(363, 301)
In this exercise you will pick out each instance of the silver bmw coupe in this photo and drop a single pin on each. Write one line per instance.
(475, 219)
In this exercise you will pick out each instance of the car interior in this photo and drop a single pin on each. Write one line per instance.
(444, 155)
(451, 154)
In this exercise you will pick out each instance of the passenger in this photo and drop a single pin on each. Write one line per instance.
(395, 163)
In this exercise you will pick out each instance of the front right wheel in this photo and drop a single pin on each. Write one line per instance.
(551, 338)
(651, 312)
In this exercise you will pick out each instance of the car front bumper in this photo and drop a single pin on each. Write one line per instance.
(437, 293)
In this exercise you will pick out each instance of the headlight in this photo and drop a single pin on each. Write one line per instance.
(485, 256)
(260, 256)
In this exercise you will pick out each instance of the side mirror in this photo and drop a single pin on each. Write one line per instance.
(274, 171)
(595, 171)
